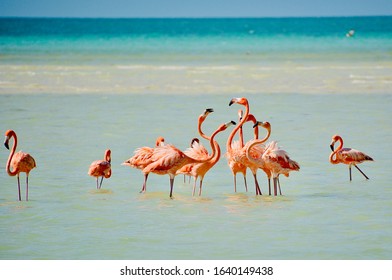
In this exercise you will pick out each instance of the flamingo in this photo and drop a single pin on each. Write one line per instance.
(232, 149)
(168, 159)
(101, 168)
(277, 161)
(20, 162)
(198, 151)
(347, 155)
(238, 155)
(257, 158)
(142, 158)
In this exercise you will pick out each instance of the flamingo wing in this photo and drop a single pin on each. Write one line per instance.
(353, 156)
(23, 162)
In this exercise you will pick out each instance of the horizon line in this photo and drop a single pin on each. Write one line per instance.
(193, 17)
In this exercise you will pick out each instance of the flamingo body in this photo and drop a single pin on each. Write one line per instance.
(142, 158)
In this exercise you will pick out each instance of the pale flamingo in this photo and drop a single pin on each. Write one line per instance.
(168, 159)
(347, 155)
(277, 161)
(238, 155)
(198, 151)
(101, 168)
(142, 158)
(20, 162)
(257, 158)
(194, 141)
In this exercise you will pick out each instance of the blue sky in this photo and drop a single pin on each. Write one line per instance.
(193, 8)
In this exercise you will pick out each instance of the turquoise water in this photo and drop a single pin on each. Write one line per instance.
(70, 94)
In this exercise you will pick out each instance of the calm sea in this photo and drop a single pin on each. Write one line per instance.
(72, 88)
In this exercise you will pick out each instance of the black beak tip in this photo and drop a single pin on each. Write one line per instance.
(233, 122)
(231, 102)
(210, 110)
(6, 145)
(331, 146)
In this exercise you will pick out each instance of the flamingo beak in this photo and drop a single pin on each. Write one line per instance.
(257, 123)
(209, 110)
(232, 102)
(6, 143)
(331, 146)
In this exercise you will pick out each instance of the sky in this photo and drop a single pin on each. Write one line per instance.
(193, 8)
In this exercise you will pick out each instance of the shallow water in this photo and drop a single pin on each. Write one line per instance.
(320, 216)
(71, 88)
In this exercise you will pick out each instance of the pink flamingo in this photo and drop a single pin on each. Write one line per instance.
(101, 168)
(20, 162)
(142, 158)
(168, 159)
(238, 155)
(198, 151)
(347, 155)
(232, 150)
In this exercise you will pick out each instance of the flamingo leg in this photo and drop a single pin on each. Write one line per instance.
(275, 187)
(20, 198)
(194, 187)
(144, 187)
(246, 184)
(349, 168)
(235, 182)
(201, 185)
(269, 186)
(280, 191)
(100, 185)
(27, 187)
(361, 171)
(258, 191)
(171, 187)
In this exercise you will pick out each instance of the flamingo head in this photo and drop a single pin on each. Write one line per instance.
(240, 114)
(194, 140)
(206, 112)
(108, 155)
(160, 141)
(226, 125)
(8, 134)
(239, 100)
(335, 138)
(266, 125)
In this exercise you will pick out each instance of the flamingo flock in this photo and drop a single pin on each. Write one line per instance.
(196, 161)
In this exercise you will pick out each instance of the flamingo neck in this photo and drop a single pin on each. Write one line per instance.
(8, 167)
(332, 157)
(257, 142)
(200, 122)
(244, 119)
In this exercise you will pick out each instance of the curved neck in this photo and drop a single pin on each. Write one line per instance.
(244, 119)
(199, 123)
(333, 159)
(257, 142)
(214, 147)
(15, 172)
